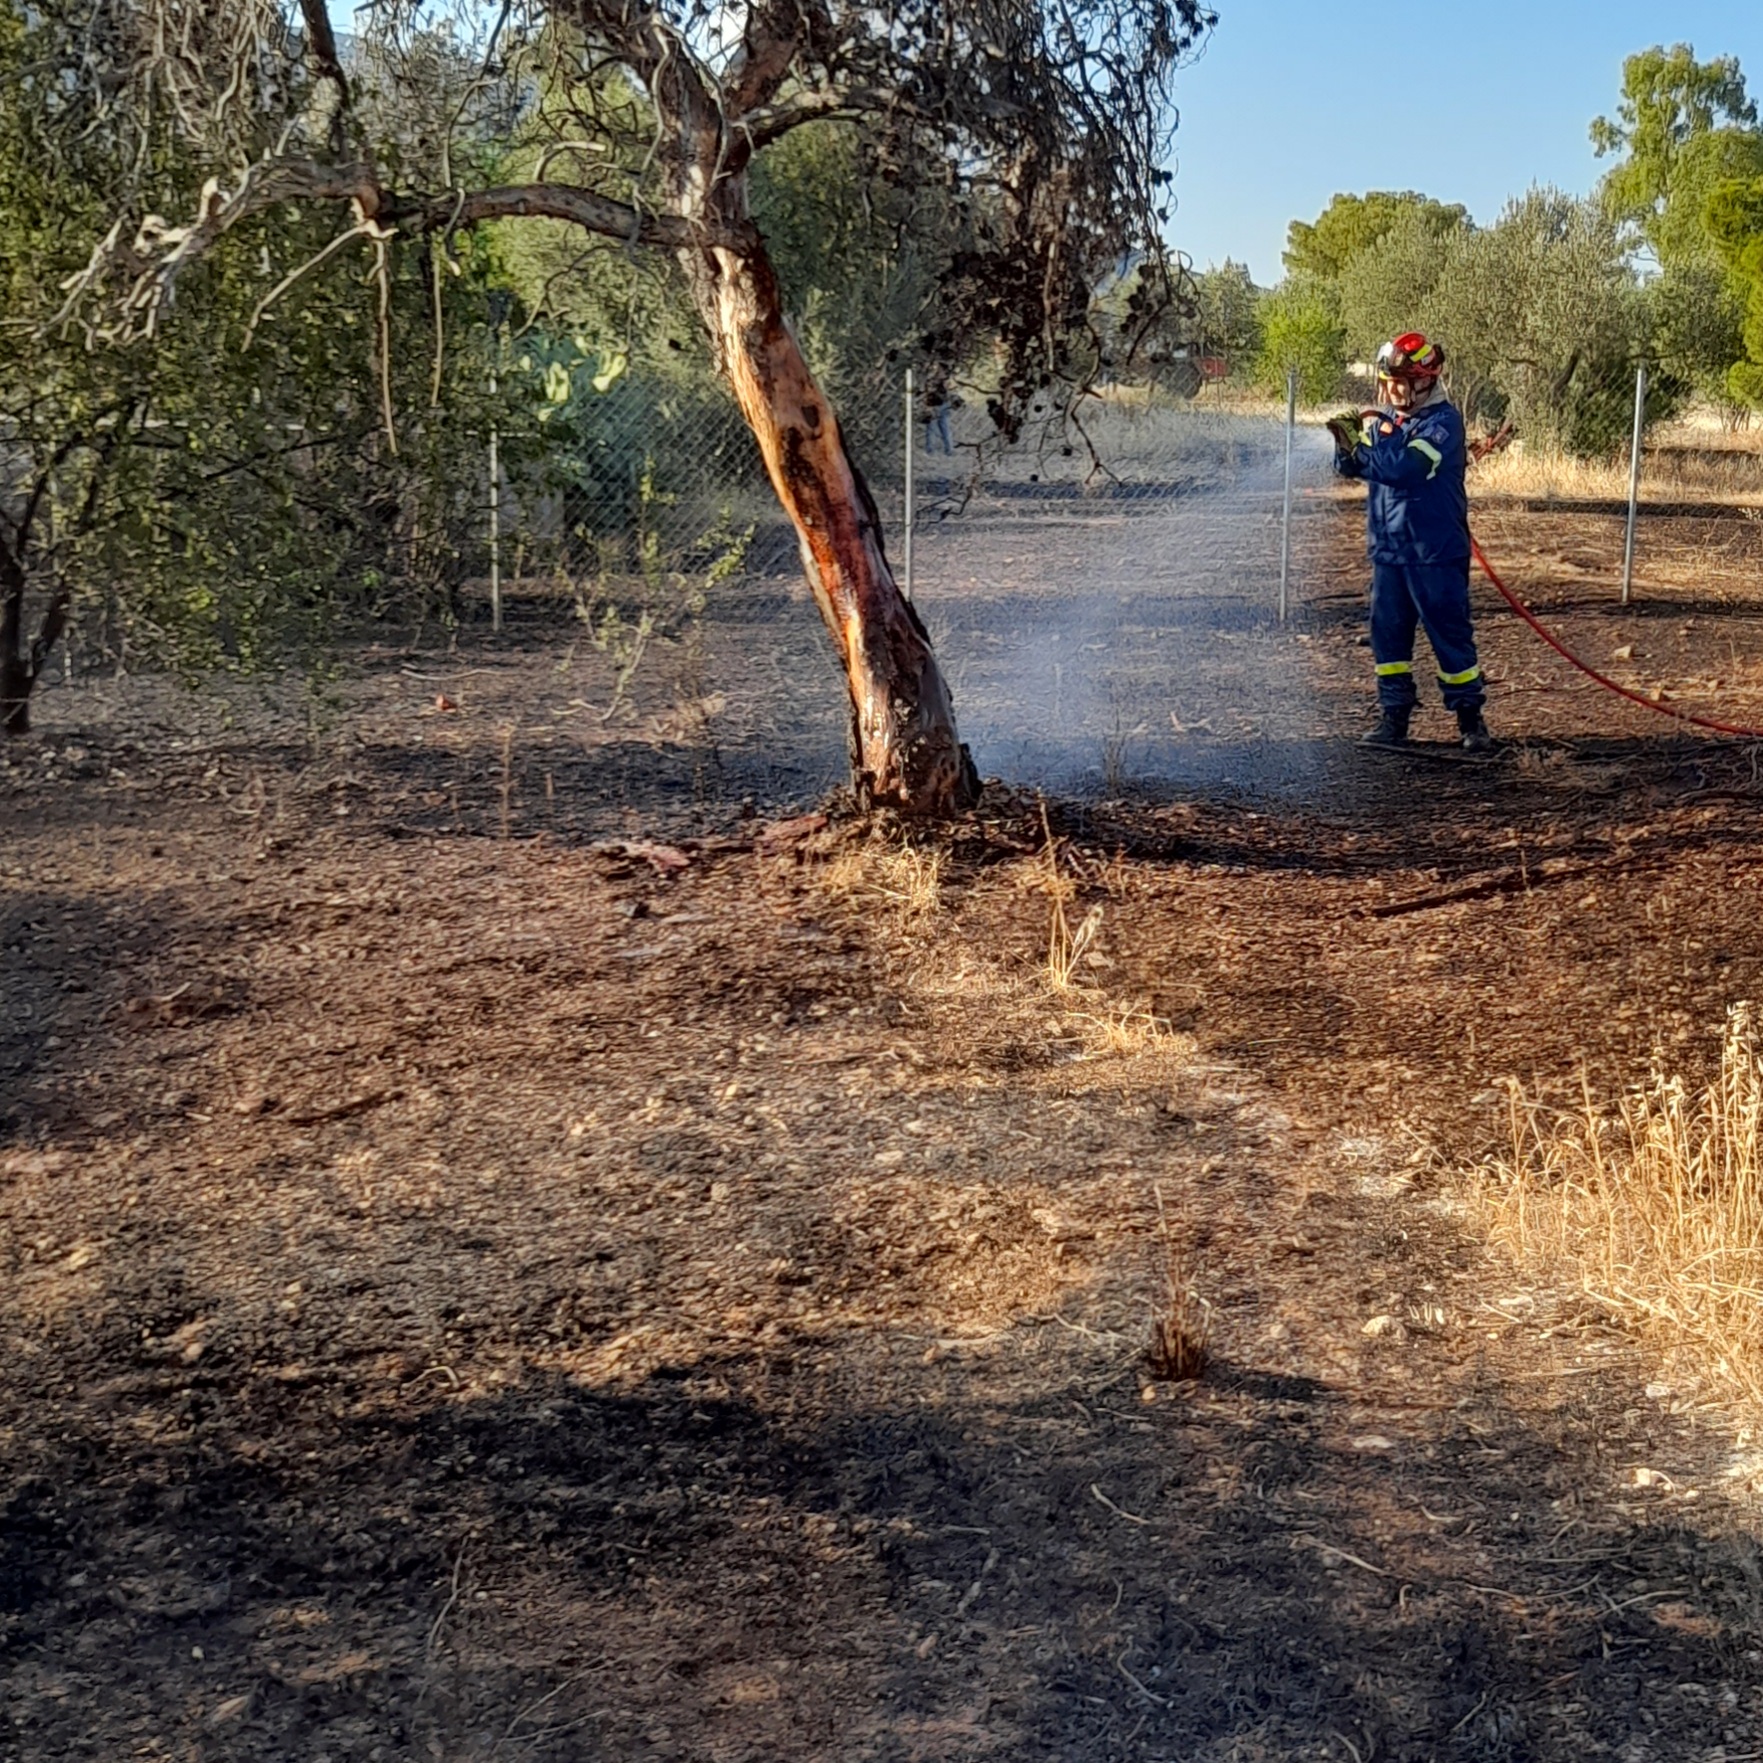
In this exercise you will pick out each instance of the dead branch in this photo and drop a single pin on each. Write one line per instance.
(362, 229)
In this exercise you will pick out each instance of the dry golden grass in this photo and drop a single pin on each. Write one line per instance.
(1685, 472)
(1066, 947)
(1656, 1205)
(1556, 476)
(906, 880)
(1125, 1030)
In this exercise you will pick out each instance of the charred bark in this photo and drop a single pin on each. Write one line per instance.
(16, 681)
(21, 661)
(16, 673)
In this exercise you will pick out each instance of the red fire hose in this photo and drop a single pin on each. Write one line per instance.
(1609, 685)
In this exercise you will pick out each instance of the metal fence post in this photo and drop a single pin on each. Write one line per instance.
(495, 519)
(1634, 479)
(499, 301)
(1285, 519)
(909, 430)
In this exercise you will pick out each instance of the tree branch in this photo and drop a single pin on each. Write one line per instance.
(584, 208)
(771, 122)
(769, 45)
(321, 42)
(160, 253)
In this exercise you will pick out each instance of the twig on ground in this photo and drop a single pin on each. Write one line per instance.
(440, 1621)
(1470, 1715)
(1149, 1695)
(1303, 1541)
(1130, 1517)
(532, 1708)
(341, 1110)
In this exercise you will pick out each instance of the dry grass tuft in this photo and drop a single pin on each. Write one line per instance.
(1126, 1030)
(1065, 947)
(906, 879)
(1540, 764)
(1657, 1206)
(912, 880)
(1181, 1324)
(1181, 1328)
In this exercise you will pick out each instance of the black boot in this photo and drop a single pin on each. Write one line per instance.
(1474, 731)
(1391, 730)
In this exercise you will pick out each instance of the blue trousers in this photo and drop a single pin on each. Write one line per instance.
(1436, 596)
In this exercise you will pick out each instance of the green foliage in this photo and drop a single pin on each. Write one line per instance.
(1227, 314)
(1676, 120)
(1301, 329)
(1393, 285)
(231, 493)
(858, 260)
(1695, 324)
(1541, 315)
(1684, 130)
(1677, 230)
(1735, 222)
(1351, 225)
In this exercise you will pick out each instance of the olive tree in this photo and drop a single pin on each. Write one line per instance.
(1540, 314)
(226, 494)
(1045, 123)
(1301, 333)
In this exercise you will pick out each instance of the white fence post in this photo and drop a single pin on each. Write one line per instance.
(1634, 479)
(495, 517)
(910, 427)
(1285, 520)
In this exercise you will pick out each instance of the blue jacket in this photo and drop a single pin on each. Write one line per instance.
(1418, 512)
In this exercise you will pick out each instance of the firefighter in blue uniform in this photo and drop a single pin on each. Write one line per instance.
(1413, 454)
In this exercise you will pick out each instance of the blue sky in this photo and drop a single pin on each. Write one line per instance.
(1294, 100)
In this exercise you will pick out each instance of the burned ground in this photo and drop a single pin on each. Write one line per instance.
(518, 1245)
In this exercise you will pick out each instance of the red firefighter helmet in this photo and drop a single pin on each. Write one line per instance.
(1411, 357)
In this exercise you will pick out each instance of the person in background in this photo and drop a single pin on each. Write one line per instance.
(937, 406)
(1413, 455)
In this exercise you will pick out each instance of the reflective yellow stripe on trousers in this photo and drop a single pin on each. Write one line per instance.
(1460, 679)
(1385, 668)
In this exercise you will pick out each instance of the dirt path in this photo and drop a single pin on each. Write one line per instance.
(475, 1297)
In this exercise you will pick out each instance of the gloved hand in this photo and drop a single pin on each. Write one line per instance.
(1348, 430)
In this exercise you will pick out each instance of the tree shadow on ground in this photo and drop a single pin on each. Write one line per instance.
(669, 1571)
(60, 954)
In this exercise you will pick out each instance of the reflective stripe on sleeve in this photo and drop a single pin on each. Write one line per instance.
(1458, 679)
(1431, 452)
(1385, 668)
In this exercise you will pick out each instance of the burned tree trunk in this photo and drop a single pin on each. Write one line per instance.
(23, 657)
(905, 752)
(17, 675)
(15, 696)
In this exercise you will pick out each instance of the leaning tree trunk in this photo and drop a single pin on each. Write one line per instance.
(905, 753)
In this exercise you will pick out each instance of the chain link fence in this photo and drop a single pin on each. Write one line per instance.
(1103, 585)
(654, 488)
